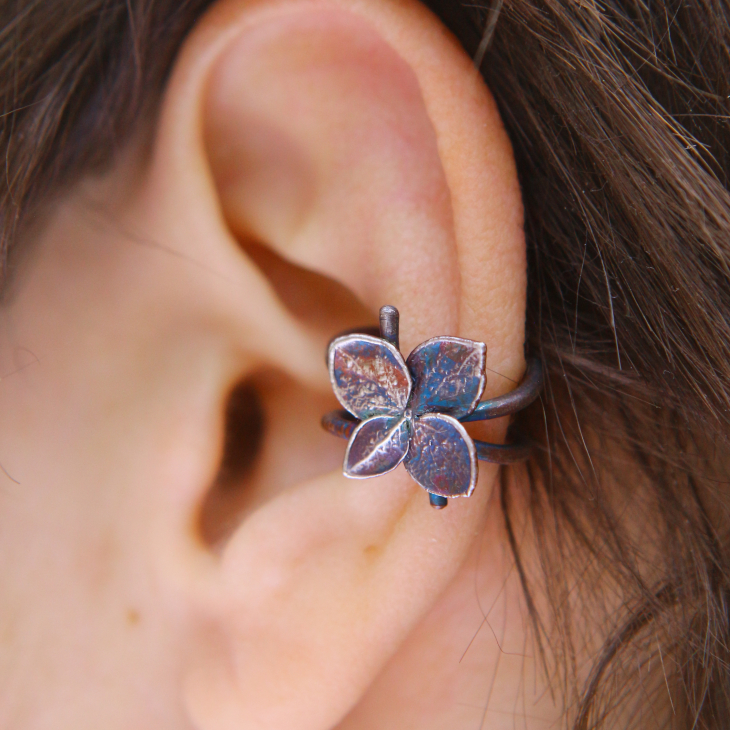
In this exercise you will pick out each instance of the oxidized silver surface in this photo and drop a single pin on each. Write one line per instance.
(377, 446)
(369, 376)
(409, 410)
(450, 373)
(442, 457)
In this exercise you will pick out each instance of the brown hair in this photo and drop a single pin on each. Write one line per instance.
(619, 116)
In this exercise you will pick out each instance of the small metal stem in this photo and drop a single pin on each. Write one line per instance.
(389, 324)
(437, 501)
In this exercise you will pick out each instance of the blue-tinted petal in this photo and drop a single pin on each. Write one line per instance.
(441, 456)
(369, 376)
(376, 447)
(448, 376)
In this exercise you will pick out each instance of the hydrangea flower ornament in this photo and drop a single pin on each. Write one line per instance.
(409, 409)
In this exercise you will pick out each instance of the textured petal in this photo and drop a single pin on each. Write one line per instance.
(368, 376)
(377, 446)
(448, 376)
(441, 456)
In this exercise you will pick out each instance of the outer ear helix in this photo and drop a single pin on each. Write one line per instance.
(440, 389)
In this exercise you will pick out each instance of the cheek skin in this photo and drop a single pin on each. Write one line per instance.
(82, 430)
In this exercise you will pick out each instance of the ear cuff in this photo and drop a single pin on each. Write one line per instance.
(412, 411)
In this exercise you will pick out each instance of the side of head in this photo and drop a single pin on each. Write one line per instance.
(179, 545)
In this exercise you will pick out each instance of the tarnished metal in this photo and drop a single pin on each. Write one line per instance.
(512, 453)
(449, 375)
(389, 325)
(527, 392)
(410, 411)
(442, 457)
(340, 423)
(437, 501)
(369, 376)
(377, 446)
(405, 408)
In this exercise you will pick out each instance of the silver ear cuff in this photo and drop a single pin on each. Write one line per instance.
(412, 410)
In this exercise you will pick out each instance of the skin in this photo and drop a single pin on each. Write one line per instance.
(311, 161)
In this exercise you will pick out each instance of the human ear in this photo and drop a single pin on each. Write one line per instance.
(310, 162)
(356, 141)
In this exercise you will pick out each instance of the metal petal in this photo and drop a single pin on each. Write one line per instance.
(441, 456)
(448, 376)
(369, 376)
(377, 446)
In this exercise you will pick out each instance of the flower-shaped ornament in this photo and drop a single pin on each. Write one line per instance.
(409, 409)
